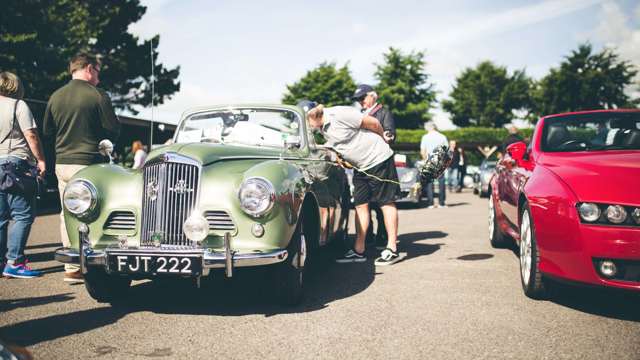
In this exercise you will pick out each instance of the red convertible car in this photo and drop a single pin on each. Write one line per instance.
(571, 201)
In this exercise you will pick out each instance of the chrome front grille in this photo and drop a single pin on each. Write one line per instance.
(120, 220)
(219, 220)
(171, 187)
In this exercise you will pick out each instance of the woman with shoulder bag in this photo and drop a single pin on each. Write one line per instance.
(21, 161)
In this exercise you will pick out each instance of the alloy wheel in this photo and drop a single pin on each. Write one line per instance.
(525, 248)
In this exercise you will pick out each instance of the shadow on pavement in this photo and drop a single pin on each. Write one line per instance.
(411, 243)
(31, 332)
(43, 246)
(40, 256)
(611, 303)
(10, 304)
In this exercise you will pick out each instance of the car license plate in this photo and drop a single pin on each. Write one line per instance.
(156, 265)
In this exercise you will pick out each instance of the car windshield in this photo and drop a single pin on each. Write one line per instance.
(592, 131)
(242, 126)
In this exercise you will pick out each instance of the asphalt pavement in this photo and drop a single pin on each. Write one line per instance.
(453, 296)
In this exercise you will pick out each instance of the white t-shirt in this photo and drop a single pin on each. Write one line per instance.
(138, 159)
(15, 136)
(431, 140)
(362, 148)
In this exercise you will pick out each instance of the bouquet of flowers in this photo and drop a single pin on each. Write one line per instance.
(438, 161)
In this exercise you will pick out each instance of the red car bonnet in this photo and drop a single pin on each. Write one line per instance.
(611, 176)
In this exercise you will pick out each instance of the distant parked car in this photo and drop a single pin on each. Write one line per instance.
(410, 185)
(571, 201)
(482, 177)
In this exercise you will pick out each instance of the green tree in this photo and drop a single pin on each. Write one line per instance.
(585, 81)
(38, 37)
(487, 96)
(403, 86)
(325, 84)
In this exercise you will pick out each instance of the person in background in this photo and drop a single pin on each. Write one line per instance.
(430, 141)
(511, 138)
(21, 146)
(366, 96)
(139, 154)
(452, 171)
(461, 164)
(78, 116)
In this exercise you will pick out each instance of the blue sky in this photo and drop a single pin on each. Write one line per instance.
(247, 51)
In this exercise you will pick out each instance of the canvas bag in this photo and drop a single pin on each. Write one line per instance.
(19, 178)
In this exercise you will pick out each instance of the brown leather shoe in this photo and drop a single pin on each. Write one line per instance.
(74, 277)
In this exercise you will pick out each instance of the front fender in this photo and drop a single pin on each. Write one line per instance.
(556, 222)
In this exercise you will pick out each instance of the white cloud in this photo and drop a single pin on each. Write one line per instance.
(616, 30)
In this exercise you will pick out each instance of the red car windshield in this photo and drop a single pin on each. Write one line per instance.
(592, 131)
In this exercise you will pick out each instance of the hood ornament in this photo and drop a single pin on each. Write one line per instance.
(152, 190)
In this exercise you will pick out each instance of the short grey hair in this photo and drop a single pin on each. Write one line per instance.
(430, 125)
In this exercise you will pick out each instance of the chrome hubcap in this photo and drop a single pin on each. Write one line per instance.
(525, 248)
(491, 217)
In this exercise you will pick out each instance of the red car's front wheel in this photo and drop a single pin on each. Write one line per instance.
(530, 275)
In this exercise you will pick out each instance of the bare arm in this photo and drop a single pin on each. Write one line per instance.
(372, 124)
(36, 148)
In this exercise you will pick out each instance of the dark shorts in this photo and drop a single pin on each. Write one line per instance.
(370, 190)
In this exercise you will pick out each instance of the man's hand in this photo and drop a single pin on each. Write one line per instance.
(388, 136)
(42, 168)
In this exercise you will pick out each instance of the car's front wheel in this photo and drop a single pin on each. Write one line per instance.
(290, 274)
(106, 288)
(530, 275)
(496, 237)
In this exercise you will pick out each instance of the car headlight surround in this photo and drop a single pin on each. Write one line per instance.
(80, 197)
(257, 196)
(616, 214)
(589, 212)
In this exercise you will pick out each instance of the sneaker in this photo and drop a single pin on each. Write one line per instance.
(20, 271)
(74, 277)
(443, 206)
(351, 256)
(387, 257)
(430, 207)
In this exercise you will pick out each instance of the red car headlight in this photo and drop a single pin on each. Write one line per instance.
(636, 215)
(589, 212)
(616, 214)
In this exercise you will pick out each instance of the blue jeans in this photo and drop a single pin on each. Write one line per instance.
(20, 209)
(441, 191)
(452, 177)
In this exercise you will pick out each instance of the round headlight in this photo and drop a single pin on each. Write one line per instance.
(616, 214)
(79, 197)
(589, 212)
(636, 215)
(408, 176)
(257, 196)
(196, 227)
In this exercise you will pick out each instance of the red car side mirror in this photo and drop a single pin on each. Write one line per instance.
(517, 151)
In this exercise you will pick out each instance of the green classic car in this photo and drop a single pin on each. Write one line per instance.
(241, 186)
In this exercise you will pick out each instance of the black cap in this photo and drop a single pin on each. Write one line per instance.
(361, 91)
(307, 105)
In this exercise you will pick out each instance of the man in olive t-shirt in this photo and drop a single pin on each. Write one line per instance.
(78, 117)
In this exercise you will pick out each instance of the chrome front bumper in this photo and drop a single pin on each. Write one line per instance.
(227, 259)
